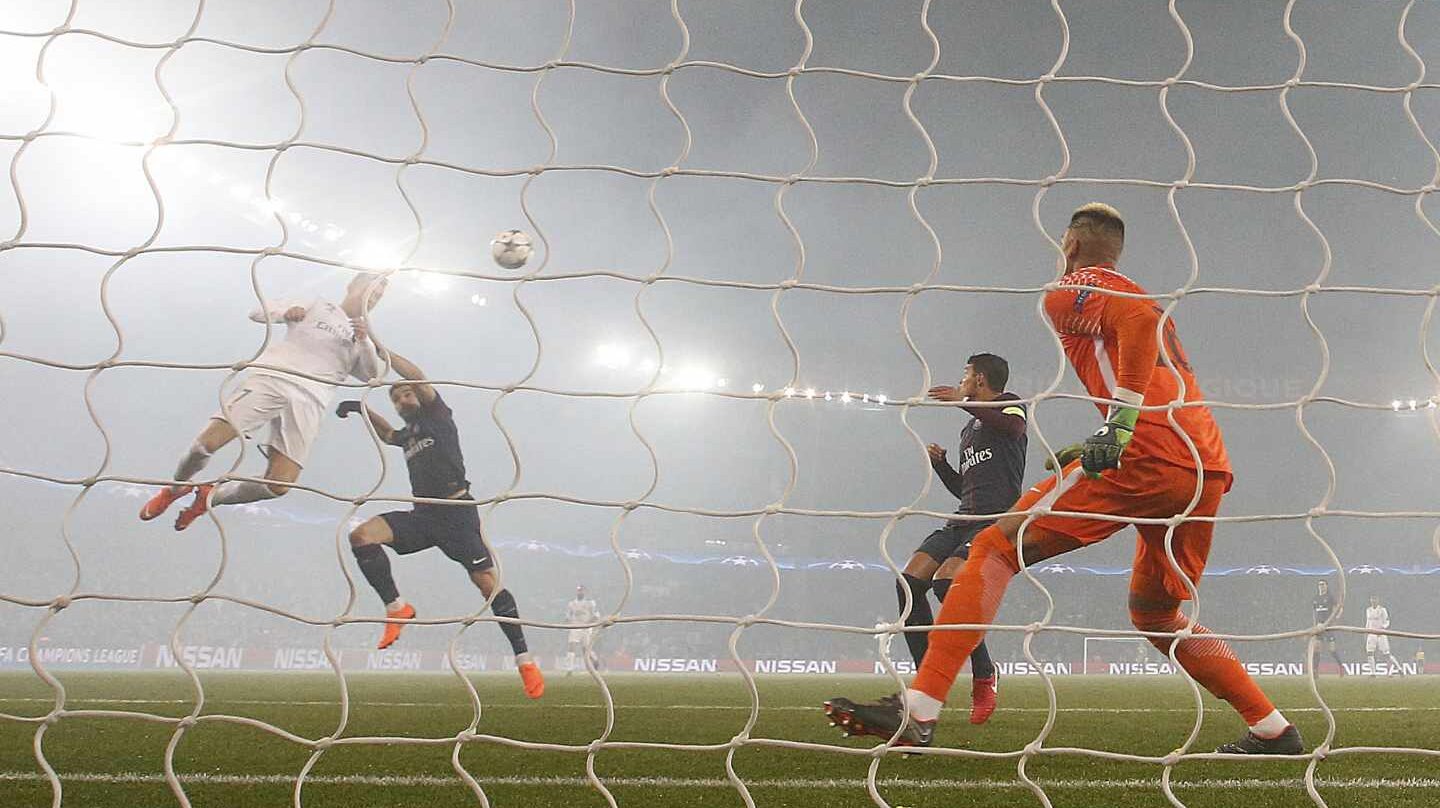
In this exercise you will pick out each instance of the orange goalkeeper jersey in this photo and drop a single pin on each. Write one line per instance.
(1111, 341)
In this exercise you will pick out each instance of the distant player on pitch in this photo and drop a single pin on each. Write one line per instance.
(1136, 465)
(322, 340)
(1377, 618)
(578, 612)
(1324, 605)
(992, 466)
(437, 471)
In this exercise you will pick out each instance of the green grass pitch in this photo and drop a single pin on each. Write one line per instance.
(117, 761)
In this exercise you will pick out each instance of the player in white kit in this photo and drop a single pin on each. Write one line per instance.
(579, 611)
(323, 341)
(1378, 617)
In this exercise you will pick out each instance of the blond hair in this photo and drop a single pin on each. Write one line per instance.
(1101, 225)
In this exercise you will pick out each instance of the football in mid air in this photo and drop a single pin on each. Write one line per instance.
(510, 248)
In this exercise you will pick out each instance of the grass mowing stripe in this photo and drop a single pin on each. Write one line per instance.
(717, 782)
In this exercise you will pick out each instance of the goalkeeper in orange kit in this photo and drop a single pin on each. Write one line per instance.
(1119, 345)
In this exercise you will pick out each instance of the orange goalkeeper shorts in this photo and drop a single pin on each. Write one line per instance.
(1141, 488)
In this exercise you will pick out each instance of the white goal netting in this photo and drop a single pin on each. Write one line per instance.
(762, 233)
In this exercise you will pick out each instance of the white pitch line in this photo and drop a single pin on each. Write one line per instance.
(709, 707)
(425, 780)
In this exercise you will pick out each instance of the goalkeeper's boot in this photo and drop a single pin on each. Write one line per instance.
(195, 509)
(162, 501)
(532, 678)
(1286, 743)
(984, 694)
(881, 719)
(392, 629)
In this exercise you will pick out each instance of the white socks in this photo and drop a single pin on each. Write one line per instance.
(394, 605)
(924, 707)
(192, 462)
(1270, 726)
(237, 492)
(523, 659)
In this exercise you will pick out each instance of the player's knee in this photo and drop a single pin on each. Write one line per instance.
(993, 542)
(362, 535)
(1157, 620)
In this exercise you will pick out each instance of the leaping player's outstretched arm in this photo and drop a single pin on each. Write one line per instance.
(382, 426)
(278, 313)
(408, 369)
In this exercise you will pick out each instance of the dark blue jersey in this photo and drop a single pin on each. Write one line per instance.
(432, 451)
(1324, 605)
(992, 459)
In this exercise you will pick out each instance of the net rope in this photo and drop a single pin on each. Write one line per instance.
(744, 737)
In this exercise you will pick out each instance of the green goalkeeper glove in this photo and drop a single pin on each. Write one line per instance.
(1103, 449)
(1064, 457)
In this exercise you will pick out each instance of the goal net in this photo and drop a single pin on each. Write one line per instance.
(762, 232)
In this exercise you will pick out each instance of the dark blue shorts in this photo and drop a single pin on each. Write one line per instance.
(455, 529)
(951, 540)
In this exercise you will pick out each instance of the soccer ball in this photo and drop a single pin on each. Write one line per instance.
(510, 248)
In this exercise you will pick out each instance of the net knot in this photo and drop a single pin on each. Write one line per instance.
(792, 179)
(324, 743)
(535, 170)
(187, 722)
(630, 504)
(1031, 749)
(60, 602)
(1180, 183)
(1318, 510)
(747, 621)
(1293, 81)
(925, 181)
(1172, 758)
(795, 71)
(772, 509)
(1049, 181)
(669, 171)
(789, 283)
(1046, 78)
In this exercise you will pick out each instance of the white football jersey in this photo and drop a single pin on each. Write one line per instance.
(322, 344)
(1377, 617)
(581, 611)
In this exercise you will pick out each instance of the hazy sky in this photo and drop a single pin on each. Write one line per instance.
(341, 197)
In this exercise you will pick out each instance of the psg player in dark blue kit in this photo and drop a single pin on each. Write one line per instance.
(992, 465)
(437, 471)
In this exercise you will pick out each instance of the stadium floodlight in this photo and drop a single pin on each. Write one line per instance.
(757, 387)
(1395, 405)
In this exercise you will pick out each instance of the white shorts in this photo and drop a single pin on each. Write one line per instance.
(1377, 641)
(293, 413)
(578, 636)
